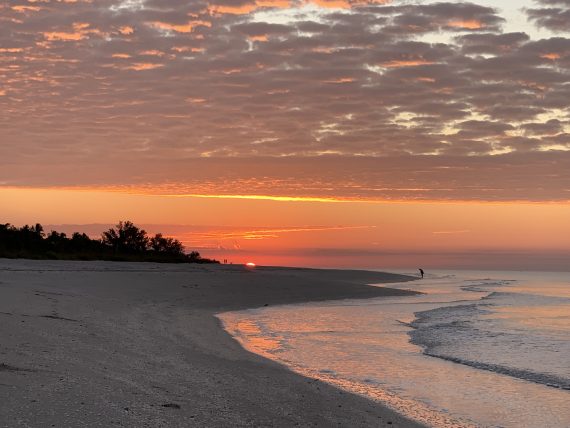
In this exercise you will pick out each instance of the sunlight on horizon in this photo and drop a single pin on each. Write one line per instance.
(313, 233)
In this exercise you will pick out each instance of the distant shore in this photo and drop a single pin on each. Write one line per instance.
(138, 344)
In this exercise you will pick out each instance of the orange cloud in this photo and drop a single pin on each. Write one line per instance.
(551, 56)
(136, 66)
(340, 80)
(182, 49)
(80, 31)
(173, 192)
(152, 52)
(470, 24)
(266, 198)
(324, 49)
(126, 30)
(23, 8)
(259, 38)
(184, 28)
(261, 233)
(406, 63)
(248, 7)
(139, 66)
(61, 36)
(232, 10)
(333, 4)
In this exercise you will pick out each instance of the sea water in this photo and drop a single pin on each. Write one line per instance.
(476, 349)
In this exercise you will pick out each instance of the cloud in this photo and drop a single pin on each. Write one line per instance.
(108, 85)
(527, 176)
(551, 14)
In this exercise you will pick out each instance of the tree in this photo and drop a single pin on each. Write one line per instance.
(126, 237)
(194, 256)
(171, 246)
(80, 242)
(38, 230)
(56, 241)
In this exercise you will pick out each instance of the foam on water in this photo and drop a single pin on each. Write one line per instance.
(485, 335)
(477, 349)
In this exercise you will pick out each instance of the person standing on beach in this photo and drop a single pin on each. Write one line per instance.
(422, 272)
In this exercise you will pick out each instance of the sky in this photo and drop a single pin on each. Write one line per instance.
(316, 133)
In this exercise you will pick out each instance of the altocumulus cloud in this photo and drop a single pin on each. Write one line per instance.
(375, 99)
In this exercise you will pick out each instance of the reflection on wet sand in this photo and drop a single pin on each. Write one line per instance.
(364, 347)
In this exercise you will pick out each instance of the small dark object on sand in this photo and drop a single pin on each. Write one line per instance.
(171, 405)
(9, 368)
(57, 317)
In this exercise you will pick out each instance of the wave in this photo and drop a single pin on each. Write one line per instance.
(541, 378)
(533, 299)
(465, 334)
(485, 285)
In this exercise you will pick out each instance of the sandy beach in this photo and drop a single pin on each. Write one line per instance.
(104, 344)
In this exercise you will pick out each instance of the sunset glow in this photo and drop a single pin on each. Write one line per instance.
(317, 132)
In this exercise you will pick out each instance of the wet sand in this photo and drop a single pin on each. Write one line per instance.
(104, 344)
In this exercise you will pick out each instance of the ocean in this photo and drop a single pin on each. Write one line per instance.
(488, 349)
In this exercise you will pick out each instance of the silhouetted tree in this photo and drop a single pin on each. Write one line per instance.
(9, 238)
(80, 242)
(57, 242)
(160, 244)
(124, 242)
(38, 229)
(126, 237)
(194, 256)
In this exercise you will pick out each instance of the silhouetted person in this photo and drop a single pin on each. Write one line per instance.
(422, 272)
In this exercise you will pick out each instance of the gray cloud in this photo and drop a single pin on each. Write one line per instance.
(110, 83)
(552, 14)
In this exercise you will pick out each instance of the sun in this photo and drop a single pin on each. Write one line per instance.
(250, 265)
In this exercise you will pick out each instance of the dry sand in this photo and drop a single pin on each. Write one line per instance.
(104, 344)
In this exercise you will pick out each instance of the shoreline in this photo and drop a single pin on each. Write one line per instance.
(87, 343)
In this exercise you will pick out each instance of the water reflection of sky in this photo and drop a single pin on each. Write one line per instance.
(364, 347)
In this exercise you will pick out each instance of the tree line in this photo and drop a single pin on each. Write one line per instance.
(124, 242)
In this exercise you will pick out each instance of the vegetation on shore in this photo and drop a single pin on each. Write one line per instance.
(124, 242)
